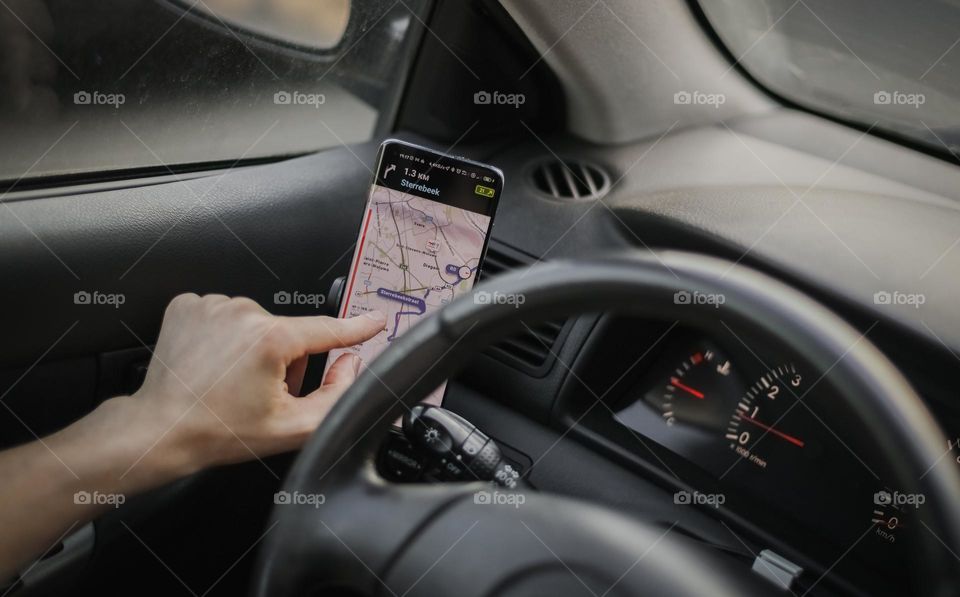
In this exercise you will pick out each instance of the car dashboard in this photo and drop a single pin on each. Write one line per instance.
(737, 429)
(738, 439)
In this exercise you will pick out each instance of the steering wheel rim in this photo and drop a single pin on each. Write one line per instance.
(337, 461)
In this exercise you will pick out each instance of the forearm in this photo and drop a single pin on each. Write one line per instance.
(55, 485)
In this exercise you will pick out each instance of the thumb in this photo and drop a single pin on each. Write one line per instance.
(320, 334)
(313, 408)
(343, 372)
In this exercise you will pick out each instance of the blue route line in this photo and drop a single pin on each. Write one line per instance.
(455, 269)
(419, 304)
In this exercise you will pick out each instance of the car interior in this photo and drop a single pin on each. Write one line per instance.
(730, 228)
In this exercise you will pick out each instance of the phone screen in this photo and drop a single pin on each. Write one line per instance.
(422, 240)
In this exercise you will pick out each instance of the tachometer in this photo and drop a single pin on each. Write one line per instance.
(761, 413)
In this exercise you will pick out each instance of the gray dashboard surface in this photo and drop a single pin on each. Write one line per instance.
(871, 250)
(291, 224)
(849, 217)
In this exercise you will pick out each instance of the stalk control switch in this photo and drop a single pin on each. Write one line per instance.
(460, 451)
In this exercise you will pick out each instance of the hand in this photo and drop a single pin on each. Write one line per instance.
(222, 387)
(224, 381)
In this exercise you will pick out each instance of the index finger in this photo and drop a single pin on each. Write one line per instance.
(321, 333)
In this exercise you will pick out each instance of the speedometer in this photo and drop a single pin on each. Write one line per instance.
(776, 442)
(761, 413)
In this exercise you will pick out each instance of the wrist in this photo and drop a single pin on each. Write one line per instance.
(128, 446)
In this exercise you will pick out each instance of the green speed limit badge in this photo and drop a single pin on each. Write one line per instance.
(485, 191)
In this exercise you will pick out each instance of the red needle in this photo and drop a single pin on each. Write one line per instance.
(676, 382)
(776, 432)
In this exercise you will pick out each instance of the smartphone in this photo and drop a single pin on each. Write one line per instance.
(421, 243)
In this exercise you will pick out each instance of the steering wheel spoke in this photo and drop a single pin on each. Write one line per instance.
(346, 534)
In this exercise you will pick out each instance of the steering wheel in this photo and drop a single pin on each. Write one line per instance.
(373, 537)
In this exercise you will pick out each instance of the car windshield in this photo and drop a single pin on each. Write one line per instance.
(888, 64)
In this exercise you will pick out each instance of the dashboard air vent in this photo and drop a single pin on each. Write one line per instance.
(530, 350)
(569, 179)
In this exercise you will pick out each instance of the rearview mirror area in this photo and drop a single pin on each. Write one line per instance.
(307, 24)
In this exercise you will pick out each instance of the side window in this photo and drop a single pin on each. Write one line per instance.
(106, 85)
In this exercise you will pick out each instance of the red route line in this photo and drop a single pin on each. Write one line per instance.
(356, 266)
